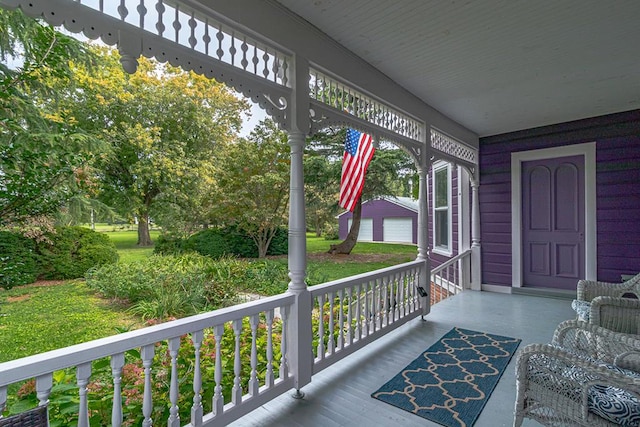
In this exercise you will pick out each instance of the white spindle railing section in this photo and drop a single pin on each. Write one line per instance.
(350, 313)
(345, 98)
(449, 278)
(183, 22)
(248, 387)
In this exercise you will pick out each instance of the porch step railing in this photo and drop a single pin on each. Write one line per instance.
(451, 277)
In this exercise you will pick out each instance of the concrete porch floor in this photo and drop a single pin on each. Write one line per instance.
(340, 395)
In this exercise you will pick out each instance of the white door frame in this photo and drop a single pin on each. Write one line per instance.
(588, 150)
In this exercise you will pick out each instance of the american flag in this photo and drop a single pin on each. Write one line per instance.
(358, 151)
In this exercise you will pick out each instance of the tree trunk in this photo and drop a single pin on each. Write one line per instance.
(352, 238)
(144, 238)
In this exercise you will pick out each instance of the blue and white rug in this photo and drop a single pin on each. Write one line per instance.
(451, 381)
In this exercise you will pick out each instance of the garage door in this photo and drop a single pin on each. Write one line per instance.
(366, 229)
(397, 230)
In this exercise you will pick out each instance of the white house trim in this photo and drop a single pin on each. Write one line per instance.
(437, 166)
(588, 150)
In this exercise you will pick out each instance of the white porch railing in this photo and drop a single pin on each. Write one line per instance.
(201, 380)
(247, 393)
(356, 311)
(451, 277)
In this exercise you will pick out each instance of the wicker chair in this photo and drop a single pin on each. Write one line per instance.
(36, 417)
(615, 306)
(586, 377)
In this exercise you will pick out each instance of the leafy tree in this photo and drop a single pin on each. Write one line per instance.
(162, 126)
(254, 175)
(43, 156)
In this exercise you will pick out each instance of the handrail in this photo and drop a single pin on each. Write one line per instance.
(452, 261)
(449, 278)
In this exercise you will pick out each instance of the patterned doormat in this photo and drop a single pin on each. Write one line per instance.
(451, 381)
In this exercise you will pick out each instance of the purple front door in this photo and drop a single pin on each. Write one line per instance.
(553, 222)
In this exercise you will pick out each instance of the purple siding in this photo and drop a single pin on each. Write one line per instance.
(617, 139)
(378, 210)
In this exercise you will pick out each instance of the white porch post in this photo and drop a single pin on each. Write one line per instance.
(423, 230)
(299, 326)
(476, 266)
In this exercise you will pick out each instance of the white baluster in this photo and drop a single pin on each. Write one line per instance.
(196, 408)
(218, 399)
(177, 25)
(206, 38)
(284, 368)
(255, 59)
(387, 301)
(192, 25)
(265, 59)
(219, 37)
(3, 399)
(285, 68)
(341, 319)
(320, 350)
(174, 416)
(244, 47)
(275, 67)
(269, 377)
(373, 316)
(232, 48)
(142, 12)
(398, 301)
(122, 10)
(253, 379)
(147, 399)
(43, 388)
(236, 391)
(159, 24)
(349, 316)
(83, 373)
(331, 341)
(117, 362)
(403, 292)
(358, 313)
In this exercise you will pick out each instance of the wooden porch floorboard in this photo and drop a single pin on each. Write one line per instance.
(340, 395)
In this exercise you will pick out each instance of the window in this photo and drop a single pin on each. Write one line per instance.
(442, 208)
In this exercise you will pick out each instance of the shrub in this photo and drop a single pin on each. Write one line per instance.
(168, 245)
(73, 251)
(230, 241)
(18, 260)
(161, 287)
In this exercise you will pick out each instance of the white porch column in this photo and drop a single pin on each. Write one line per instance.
(476, 266)
(299, 327)
(423, 230)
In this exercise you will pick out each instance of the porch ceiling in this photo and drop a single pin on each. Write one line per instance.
(496, 66)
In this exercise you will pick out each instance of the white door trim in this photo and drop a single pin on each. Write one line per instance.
(588, 150)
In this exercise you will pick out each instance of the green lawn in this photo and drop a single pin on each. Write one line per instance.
(34, 319)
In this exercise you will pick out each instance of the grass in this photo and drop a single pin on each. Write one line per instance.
(36, 319)
(125, 241)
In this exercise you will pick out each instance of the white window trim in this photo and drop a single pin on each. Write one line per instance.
(438, 166)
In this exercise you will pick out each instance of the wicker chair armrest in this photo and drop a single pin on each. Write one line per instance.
(592, 341)
(629, 360)
(616, 314)
(589, 289)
